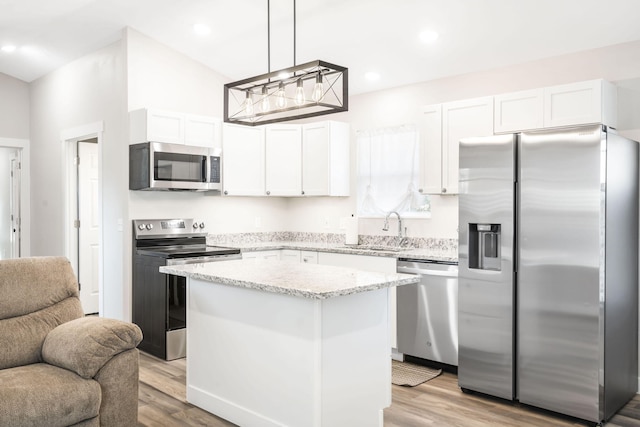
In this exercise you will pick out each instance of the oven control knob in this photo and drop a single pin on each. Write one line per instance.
(195, 225)
(149, 226)
(202, 225)
(141, 227)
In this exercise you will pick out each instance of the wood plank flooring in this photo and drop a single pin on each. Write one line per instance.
(436, 403)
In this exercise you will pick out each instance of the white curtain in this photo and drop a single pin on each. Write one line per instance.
(389, 172)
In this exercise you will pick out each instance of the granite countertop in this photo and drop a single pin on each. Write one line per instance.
(302, 280)
(371, 250)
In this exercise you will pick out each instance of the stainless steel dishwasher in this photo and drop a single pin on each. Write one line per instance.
(428, 311)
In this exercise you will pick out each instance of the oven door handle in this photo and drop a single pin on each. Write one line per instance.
(195, 260)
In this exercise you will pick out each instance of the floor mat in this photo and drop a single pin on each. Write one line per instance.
(408, 374)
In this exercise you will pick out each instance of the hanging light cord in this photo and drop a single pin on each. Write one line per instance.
(294, 33)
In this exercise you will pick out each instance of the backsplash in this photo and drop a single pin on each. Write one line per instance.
(438, 244)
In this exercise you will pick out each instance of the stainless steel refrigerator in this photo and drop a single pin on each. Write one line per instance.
(548, 269)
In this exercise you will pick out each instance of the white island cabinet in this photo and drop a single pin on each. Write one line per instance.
(288, 344)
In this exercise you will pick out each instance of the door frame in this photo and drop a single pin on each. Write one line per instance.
(25, 194)
(69, 139)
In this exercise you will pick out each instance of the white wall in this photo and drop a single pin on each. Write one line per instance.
(160, 77)
(619, 64)
(88, 90)
(14, 108)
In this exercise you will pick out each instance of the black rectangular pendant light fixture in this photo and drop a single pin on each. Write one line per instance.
(306, 90)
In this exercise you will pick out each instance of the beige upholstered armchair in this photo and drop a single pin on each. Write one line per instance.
(57, 367)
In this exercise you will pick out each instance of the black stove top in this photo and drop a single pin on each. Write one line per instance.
(186, 251)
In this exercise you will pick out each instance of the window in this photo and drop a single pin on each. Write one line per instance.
(389, 173)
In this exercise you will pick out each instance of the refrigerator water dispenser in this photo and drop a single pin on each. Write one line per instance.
(484, 247)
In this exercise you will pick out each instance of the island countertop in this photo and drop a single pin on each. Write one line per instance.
(302, 280)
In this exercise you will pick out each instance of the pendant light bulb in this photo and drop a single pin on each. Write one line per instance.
(266, 104)
(248, 105)
(281, 99)
(318, 89)
(299, 93)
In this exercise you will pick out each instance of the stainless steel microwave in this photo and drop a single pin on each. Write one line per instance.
(163, 166)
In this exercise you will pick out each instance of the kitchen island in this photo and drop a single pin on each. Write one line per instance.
(282, 344)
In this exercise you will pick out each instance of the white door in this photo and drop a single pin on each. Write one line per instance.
(14, 205)
(9, 202)
(89, 227)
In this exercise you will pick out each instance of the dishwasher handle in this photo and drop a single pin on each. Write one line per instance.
(429, 269)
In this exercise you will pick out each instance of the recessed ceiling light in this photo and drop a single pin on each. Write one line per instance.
(429, 36)
(8, 48)
(201, 29)
(372, 76)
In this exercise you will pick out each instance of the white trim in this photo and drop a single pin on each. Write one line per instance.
(68, 138)
(25, 191)
(81, 132)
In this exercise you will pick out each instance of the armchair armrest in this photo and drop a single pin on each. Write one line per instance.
(84, 345)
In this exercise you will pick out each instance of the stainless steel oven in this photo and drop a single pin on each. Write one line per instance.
(159, 300)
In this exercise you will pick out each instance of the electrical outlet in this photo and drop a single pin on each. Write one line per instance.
(343, 223)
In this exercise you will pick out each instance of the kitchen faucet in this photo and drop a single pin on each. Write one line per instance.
(385, 227)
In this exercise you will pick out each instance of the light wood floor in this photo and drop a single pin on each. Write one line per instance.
(437, 403)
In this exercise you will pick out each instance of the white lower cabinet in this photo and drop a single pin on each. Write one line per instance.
(261, 255)
(368, 263)
(309, 257)
(291, 255)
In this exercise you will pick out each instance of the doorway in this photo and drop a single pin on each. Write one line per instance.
(88, 224)
(83, 213)
(10, 197)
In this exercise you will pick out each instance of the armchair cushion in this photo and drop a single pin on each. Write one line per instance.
(43, 395)
(84, 345)
(21, 337)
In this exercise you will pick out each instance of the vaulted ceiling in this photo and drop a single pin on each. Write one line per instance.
(367, 36)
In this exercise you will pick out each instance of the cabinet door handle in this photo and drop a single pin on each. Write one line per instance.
(303, 192)
(444, 190)
(226, 192)
(268, 192)
(420, 190)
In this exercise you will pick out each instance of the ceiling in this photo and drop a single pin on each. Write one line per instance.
(379, 36)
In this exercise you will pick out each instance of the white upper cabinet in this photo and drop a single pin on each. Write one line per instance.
(442, 127)
(203, 131)
(283, 160)
(156, 125)
(175, 128)
(243, 157)
(519, 111)
(431, 167)
(593, 101)
(325, 159)
(293, 160)
(462, 119)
